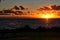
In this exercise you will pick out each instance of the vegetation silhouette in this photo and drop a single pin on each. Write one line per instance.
(27, 28)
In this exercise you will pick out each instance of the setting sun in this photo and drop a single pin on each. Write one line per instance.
(47, 15)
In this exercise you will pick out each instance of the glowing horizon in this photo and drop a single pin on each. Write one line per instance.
(52, 11)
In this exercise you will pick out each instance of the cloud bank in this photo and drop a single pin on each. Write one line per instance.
(18, 8)
(52, 7)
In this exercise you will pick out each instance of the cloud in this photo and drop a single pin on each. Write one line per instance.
(21, 7)
(45, 8)
(18, 8)
(52, 7)
(15, 8)
(0, 0)
(8, 11)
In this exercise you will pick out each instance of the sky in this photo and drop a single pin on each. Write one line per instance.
(33, 4)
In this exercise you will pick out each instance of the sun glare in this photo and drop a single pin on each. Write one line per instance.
(47, 16)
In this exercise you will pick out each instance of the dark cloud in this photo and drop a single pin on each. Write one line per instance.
(5, 12)
(45, 8)
(8, 11)
(52, 7)
(18, 8)
(0, 0)
(0, 11)
(22, 8)
(15, 8)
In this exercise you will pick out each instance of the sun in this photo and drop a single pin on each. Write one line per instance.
(47, 15)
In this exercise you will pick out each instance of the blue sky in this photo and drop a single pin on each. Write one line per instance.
(33, 4)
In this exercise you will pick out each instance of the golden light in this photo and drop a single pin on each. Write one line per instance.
(47, 15)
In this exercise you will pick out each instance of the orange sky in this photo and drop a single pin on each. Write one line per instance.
(51, 11)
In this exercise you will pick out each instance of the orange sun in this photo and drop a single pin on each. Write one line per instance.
(47, 15)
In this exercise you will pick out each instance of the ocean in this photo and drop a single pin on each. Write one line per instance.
(33, 23)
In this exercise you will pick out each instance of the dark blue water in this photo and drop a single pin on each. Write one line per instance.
(33, 23)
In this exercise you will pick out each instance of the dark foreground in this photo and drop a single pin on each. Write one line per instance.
(20, 29)
(29, 35)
